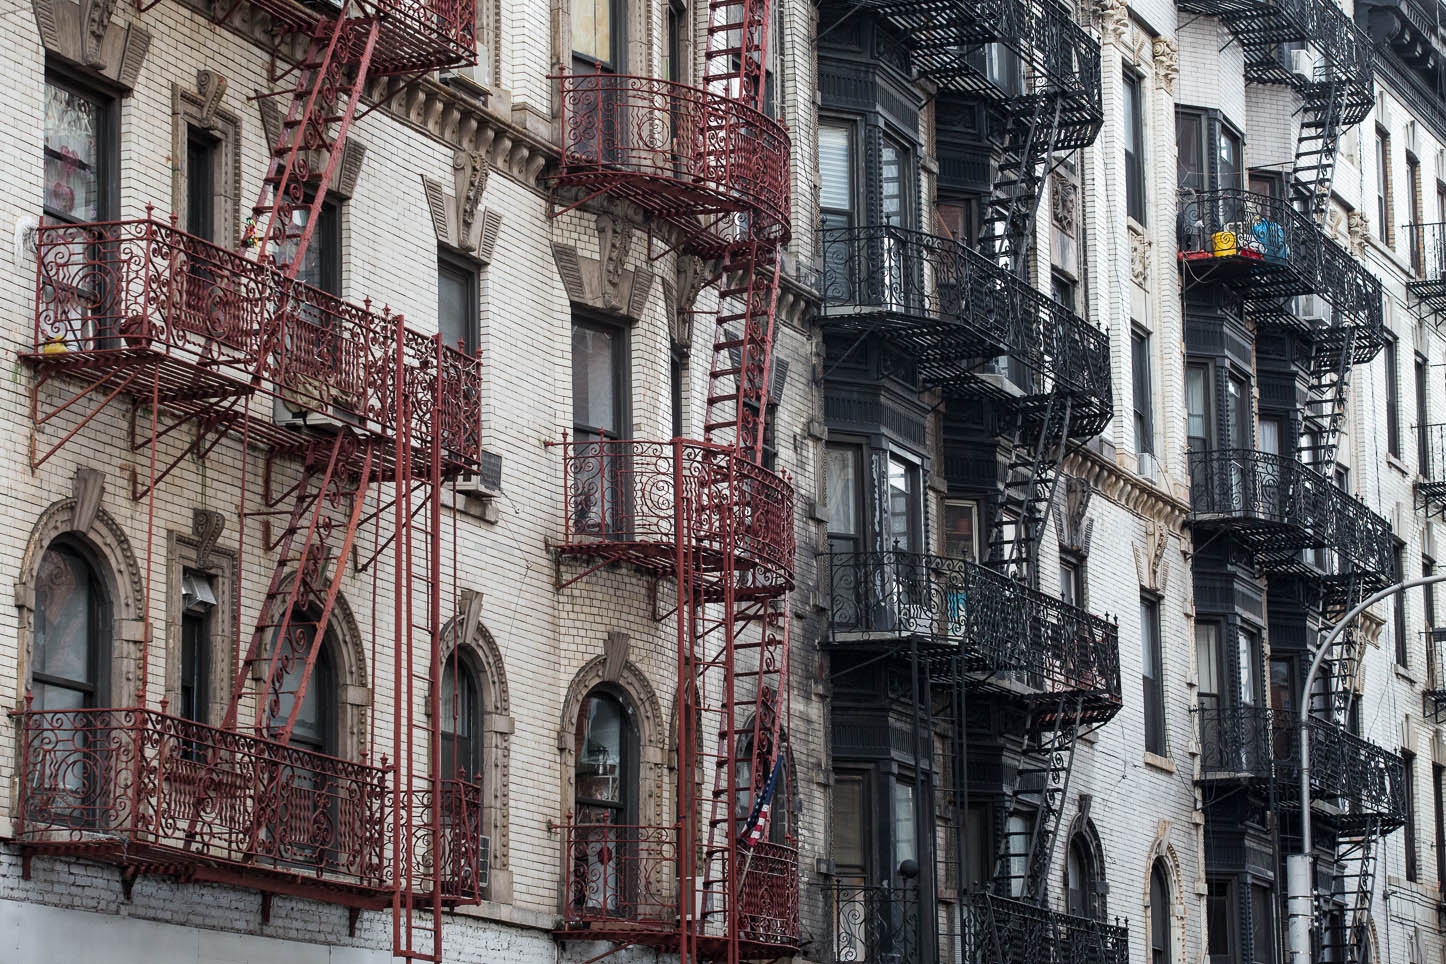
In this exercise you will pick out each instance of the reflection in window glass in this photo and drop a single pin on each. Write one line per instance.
(905, 827)
(841, 494)
(69, 623)
(599, 771)
(961, 529)
(903, 499)
(592, 29)
(73, 129)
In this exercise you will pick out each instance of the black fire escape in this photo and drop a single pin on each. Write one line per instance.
(958, 314)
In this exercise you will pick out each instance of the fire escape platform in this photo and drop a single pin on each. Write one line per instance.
(141, 309)
(1277, 507)
(1006, 930)
(960, 617)
(158, 794)
(710, 166)
(414, 35)
(621, 506)
(954, 312)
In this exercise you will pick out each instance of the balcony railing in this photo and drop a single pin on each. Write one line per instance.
(686, 155)
(123, 302)
(1358, 780)
(148, 790)
(1291, 516)
(953, 310)
(623, 881)
(1431, 486)
(1030, 641)
(1001, 930)
(1257, 243)
(1428, 263)
(874, 925)
(629, 500)
(1235, 741)
(1433, 697)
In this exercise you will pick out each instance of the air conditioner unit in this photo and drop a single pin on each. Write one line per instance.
(486, 482)
(1312, 308)
(1303, 63)
(996, 372)
(289, 416)
(471, 81)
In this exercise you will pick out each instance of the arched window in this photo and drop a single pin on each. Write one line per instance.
(72, 630)
(1160, 936)
(461, 721)
(776, 821)
(606, 760)
(1081, 871)
(315, 728)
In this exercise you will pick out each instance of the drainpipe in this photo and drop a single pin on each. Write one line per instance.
(1298, 875)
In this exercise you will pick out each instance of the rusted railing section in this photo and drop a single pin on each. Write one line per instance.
(681, 151)
(117, 294)
(620, 874)
(633, 499)
(1003, 930)
(154, 791)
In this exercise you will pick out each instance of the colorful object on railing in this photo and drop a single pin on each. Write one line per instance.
(755, 828)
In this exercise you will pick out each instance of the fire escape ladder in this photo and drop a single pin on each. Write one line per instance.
(329, 84)
(742, 350)
(1032, 475)
(1321, 124)
(1029, 140)
(1343, 661)
(1325, 404)
(1024, 857)
(312, 553)
(737, 39)
(1356, 857)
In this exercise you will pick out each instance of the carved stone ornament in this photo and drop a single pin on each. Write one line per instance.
(1114, 16)
(86, 32)
(692, 275)
(206, 526)
(1139, 258)
(353, 152)
(1357, 230)
(458, 218)
(210, 87)
(1071, 526)
(615, 237)
(1150, 565)
(1166, 54)
(1064, 203)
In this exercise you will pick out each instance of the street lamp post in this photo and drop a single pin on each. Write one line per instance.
(1297, 866)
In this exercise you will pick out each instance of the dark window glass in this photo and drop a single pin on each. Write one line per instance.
(195, 664)
(1144, 401)
(676, 29)
(1082, 885)
(1262, 918)
(1161, 936)
(1064, 291)
(1190, 151)
(1398, 607)
(72, 628)
(843, 496)
(1438, 777)
(1428, 593)
(321, 261)
(1152, 674)
(677, 380)
(1413, 198)
(1423, 415)
(1413, 872)
(605, 768)
(202, 152)
(458, 308)
(1071, 582)
(315, 727)
(80, 153)
(849, 826)
(1393, 397)
(597, 381)
(1383, 187)
(1219, 926)
(1134, 148)
(1197, 406)
(461, 721)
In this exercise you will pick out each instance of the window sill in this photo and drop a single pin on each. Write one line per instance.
(1162, 763)
(1404, 673)
(1398, 465)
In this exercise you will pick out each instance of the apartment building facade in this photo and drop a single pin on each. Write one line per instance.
(843, 407)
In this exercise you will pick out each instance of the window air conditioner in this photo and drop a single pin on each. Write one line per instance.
(1312, 308)
(467, 80)
(996, 372)
(486, 482)
(1303, 64)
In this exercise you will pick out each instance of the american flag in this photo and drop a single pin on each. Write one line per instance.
(756, 826)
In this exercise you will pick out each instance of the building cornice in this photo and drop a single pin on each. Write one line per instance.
(1137, 494)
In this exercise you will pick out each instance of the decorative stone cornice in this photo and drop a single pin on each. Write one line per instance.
(1167, 63)
(1125, 488)
(87, 33)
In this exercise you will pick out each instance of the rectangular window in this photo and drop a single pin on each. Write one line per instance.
(1393, 396)
(1197, 407)
(904, 507)
(1423, 415)
(961, 529)
(1064, 290)
(1413, 872)
(906, 845)
(849, 825)
(677, 379)
(1144, 402)
(321, 261)
(1413, 198)
(1190, 151)
(675, 29)
(1383, 188)
(1220, 920)
(835, 175)
(1153, 675)
(198, 602)
(1071, 582)
(81, 153)
(1262, 917)
(1403, 652)
(1438, 777)
(1134, 137)
(843, 496)
(202, 153)
(458, 302)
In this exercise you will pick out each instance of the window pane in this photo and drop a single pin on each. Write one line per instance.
(73, 131)
(841, 494)
(63, 644)
(595, 399)
(1144, 403)
(961, 529)
(848, 823)
(1262, 915)
(835, 169)
(891, 175)
(1196, 404)
(592, 29)
(312, 728)
(1217, 915)
(600, 750)
(1190, 152)
(903, 494)
(905, 828)
(1207, 658)
(457, 307)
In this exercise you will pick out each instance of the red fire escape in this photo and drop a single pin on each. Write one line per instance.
(709, 168)
(201, 344)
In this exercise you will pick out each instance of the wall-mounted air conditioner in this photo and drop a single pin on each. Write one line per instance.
(471, 80)
(1303, 64)
(996, 372)
(486, 482)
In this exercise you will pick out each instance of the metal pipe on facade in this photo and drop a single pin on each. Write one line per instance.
(1297, 866)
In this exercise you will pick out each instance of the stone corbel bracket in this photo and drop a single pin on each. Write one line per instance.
(455, 216)
(87, 33)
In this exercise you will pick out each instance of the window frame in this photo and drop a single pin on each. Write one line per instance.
(464, 666)
(1136, 194)
(1414, 203)
(1385, 200)
(621, 376)
(1392, 364)
(203, 160)
(469, 272)
(1398, 613)
(1161, 915)
(100, 620)
(1156, 732)
(107, 156)
(616, 61)
(1412, 868)
(1142, 383)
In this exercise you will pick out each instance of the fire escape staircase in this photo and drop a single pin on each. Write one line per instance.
(1356, 859)
(1325, 100)
(1332, 356)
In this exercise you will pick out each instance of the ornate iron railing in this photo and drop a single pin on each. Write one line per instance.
(115, 294)
(142, 787)
(1235, 741)
(768, 895)
(414, 35)
(874, 924)
(1431, 486)
(1428, 263)
(1277, 247)
(678, 151)
(953, 308)
(1002, 930)
(1363, 781)
(1433, 696)
(1279, 507)
(997, 625)
(626, 875)
(622, 498)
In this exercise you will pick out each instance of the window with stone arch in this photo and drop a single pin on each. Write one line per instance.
(1084, 873)
(71, 653)
(1161, 914)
